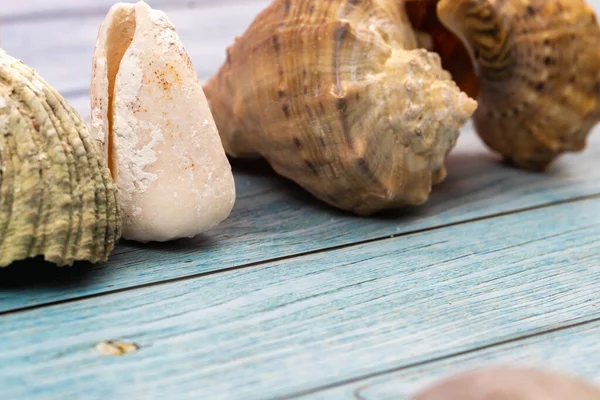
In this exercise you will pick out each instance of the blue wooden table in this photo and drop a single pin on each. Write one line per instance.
(289, 298)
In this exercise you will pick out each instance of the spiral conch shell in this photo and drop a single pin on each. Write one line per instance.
(537, 66)
(57, 198)
(151, 118)
(337, 96)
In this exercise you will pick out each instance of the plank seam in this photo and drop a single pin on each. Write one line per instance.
(300, 254)
(449, 356)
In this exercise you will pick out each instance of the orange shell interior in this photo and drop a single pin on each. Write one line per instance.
(455, 58)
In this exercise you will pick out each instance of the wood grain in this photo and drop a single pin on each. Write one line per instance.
(205, 30)
(272, 218)
(289, 326)
(14, 12)
(294, 326)
(574, 351)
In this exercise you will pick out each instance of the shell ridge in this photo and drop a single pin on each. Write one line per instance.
(7, 169)
(26, 100)
(93, 220)
(48, 195)
(25, 146)
(71, 196)
(81, 235)
(57, 182)
(103, 203)
(68, 206)
(7, 146)
(312, 92)
(38, 240)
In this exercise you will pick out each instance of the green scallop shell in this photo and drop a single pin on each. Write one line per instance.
(57, 197)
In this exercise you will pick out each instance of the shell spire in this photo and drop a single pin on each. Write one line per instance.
(57, 198)
(339, 97)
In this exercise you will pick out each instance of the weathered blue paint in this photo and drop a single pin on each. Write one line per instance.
(283, 327)
(329, 311)
(13, 12)
(205, 33)
(573, 351)
(272, 219)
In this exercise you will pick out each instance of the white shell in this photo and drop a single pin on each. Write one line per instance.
(163, 148)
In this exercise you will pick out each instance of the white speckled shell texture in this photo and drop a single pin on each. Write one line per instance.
(151, 117)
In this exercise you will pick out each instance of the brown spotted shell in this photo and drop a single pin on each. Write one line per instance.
(339, 97)
(537, 64)
(510, 383)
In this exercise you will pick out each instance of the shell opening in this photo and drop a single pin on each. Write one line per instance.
(441, 39)
(119, 37)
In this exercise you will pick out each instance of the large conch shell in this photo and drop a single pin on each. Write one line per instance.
(57, 198)
(510, 383)
(338, 97)
(535, 70)
(151, 118)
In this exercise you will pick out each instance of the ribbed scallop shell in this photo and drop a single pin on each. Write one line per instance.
(57, 198)
(337, 96)
(538, 64)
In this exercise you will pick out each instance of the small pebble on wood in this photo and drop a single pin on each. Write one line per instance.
(116, 348)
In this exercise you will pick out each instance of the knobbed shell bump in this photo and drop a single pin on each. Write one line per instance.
(152, 120)
(434, 36)
(510, 383)
(338, 97)
(57, 198)
(538, 71)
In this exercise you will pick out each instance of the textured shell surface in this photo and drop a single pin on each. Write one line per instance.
(57, 198)
(538, 70)
(339, 97)
(510, 383)
(150, 116)
(438, 38)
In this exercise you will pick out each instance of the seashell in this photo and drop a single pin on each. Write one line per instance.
(510, 383)
(435, 37)
(537, 64)
(152, 120)
(339, 97)
(57, 198)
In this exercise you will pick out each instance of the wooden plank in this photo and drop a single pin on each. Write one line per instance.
(284, 327)
(272, 218)
(35, 10)
(574, 351)
(61, 50)
(17, 12)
